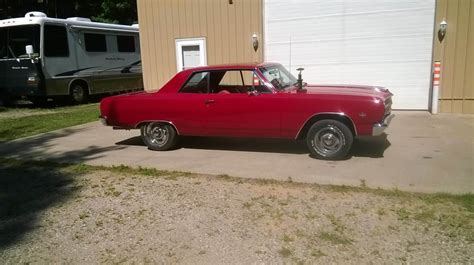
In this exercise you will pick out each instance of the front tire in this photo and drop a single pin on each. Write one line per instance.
(78, 93)
(159, 136)
(329, 140)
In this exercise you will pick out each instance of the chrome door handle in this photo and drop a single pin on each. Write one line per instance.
(209, 101)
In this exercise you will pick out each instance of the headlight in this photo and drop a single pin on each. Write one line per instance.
(32, 81)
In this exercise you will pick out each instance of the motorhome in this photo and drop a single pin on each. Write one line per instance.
(43, 58)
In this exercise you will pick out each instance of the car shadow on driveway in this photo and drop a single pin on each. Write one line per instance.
(373, 147)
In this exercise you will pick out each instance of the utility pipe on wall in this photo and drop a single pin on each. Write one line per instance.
(436, 76)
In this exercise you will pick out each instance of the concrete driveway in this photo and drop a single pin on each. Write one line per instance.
(420, 152)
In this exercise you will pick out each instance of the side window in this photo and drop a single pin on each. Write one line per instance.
(236, 81)
(227, 82)
(95, 42)
(126, 43)
(55, 41)
(250, 78)
(198, 83)
(231, 78)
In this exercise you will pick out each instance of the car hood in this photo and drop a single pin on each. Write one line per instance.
(349, 90)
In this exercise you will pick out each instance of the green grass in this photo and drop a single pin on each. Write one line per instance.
(15, 127)
(466, 201)
(334, 238)
(285, 252)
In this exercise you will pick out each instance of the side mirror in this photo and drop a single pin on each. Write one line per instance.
(31, 54)
(29, 50)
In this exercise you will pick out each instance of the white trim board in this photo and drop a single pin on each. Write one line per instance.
(180, 43)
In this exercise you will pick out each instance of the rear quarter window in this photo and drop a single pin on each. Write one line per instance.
(198, 83)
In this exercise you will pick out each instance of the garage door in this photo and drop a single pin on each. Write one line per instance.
(385, 42)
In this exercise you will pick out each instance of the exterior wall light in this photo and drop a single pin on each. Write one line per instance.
(255, 42)
(442, 30)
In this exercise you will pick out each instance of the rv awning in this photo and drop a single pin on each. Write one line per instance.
(88, 28)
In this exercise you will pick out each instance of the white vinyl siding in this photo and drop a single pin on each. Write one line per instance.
(386, 43)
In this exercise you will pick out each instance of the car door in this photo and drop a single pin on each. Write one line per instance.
(188, 108)
(234, 111)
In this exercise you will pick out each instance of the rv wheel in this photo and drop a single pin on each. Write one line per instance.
(78, 93)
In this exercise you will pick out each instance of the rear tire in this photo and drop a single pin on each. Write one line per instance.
(329, 140)
(78, 93)
(159, 136)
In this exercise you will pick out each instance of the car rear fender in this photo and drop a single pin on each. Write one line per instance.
(138, 125)
(338, 116)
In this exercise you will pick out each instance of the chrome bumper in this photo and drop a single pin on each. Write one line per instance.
(380, 127)
(103, 120)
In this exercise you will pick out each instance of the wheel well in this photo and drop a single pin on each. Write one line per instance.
(139, 125)
(81, 82)
(338, 117)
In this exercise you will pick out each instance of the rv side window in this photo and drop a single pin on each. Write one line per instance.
(3, 43)
(126, 43)
(55, 41)
(95, 42)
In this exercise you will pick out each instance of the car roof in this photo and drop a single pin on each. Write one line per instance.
(229, 66)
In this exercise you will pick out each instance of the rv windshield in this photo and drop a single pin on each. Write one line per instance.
(14, 39)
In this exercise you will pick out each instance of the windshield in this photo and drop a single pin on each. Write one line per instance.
(278, 76)
(13, 41)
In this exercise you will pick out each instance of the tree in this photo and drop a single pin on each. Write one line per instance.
(118, 11)
(110, 11)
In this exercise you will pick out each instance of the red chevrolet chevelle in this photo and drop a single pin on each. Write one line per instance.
(252, 100)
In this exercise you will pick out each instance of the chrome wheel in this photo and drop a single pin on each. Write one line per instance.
(157, 134)
(329, 139)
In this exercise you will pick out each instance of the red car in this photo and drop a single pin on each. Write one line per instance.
(252, 100)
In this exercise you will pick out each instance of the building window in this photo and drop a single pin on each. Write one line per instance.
(55, 41)
(190, 53)
(126, 43)
(95, 42)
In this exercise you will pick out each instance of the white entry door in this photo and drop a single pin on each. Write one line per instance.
(190, 53)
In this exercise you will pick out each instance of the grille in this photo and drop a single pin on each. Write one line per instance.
(388, 105)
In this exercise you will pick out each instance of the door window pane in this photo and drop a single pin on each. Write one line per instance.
(55, 41)
(95, 42)
(227, 82)
(231, 78)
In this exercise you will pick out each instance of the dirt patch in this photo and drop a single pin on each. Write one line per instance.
(110, 217)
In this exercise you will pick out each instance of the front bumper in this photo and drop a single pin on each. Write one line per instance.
(379, 128)
(103, 120)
